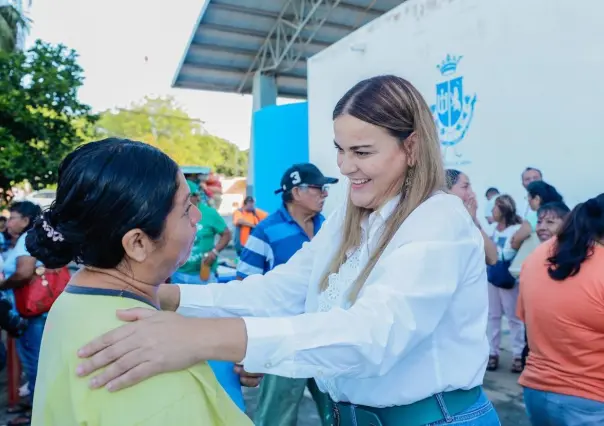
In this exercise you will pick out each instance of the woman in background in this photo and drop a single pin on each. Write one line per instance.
(503, 301)
(562, 303)
(459, 184)
(539, 193)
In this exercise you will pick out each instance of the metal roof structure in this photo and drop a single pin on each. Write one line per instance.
(233, 39)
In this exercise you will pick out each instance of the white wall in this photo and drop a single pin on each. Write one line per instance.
(536, 67)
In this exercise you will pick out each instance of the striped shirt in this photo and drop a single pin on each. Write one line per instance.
(273, 242)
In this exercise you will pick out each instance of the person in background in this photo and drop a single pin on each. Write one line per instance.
(490, 195)
(19, 269)
(5, 238)
(459, 184)
(245, 219)
(193, 182)
(562, 303)
(538, 194)
(530, 174)
(212, 236)
(503, 301)
(125, 258)
(272, 243)
(550, 217)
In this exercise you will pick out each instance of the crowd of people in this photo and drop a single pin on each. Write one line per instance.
(389, 311)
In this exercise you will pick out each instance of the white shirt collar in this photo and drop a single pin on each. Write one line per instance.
(383, 213)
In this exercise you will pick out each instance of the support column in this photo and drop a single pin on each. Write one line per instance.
(264, 93)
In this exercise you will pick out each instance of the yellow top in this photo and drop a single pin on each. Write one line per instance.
(189, 397)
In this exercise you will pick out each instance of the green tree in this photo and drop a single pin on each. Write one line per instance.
(41, 118)
(11, 20)
(161, 122)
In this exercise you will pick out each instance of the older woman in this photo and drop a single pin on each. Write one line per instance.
(386, 307)
(113, 222)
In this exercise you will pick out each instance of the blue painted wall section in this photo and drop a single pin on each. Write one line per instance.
(280, 140)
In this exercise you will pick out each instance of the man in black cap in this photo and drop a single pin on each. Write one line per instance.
(273, 242)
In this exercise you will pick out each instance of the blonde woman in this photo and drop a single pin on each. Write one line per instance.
(386, 307)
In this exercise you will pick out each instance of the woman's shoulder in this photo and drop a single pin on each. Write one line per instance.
(441, 217)
(74, 320)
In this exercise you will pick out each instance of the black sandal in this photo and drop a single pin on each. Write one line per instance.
(493, 363)
(517, 365)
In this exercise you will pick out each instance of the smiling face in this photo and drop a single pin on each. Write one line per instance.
(548, 225)
(373, 160)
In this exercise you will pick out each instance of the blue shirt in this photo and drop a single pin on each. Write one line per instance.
(273, 242)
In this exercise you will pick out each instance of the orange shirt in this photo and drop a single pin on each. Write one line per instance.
(252, 217)
(565, 325)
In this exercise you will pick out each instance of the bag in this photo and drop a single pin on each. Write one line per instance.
(37, 297)
(499, 275)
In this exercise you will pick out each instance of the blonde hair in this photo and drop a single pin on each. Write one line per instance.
(394, 104)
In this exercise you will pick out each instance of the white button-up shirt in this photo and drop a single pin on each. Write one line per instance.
(417, 328)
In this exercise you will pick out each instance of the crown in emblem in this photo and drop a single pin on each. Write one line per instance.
(449, 65)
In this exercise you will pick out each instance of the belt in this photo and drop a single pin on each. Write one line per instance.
(426, 411)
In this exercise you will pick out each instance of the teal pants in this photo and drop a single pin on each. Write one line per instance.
(280, 399)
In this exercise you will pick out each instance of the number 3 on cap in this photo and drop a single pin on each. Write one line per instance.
(295, 178)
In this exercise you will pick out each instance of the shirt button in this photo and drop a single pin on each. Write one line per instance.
(320, 373)
(268, 365)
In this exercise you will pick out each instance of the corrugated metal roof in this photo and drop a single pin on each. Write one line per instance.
(234, 38)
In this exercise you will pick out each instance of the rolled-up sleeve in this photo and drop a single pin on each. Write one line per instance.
(401, 305)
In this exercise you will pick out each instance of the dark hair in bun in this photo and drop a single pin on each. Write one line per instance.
(105, 189)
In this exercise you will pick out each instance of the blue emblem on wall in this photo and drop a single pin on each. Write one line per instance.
(453, 110)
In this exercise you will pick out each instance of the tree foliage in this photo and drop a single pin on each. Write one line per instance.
(41, 118)
(161, 122)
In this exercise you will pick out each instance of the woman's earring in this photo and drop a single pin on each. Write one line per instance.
(409, 179)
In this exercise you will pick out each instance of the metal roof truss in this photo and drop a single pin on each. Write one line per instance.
(284, 45)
